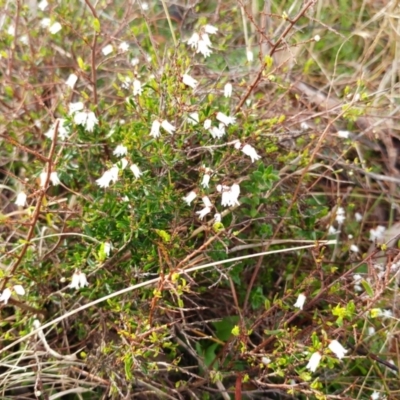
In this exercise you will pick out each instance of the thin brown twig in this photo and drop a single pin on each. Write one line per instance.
(93, 57)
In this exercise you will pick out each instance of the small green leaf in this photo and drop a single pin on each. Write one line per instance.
(235, 331)
(81, 63)
(165, 236)
(96, 25)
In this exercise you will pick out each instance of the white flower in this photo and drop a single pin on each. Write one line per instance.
(21, 199)
(45, 22)
(55, 180)
(226, 200)
(80, 117)
(91, 121)
(43, 178)
(155, 129)
(11, 30)
(216, 133)
(126, 82)
(336, 348)
(107, 248)
(189, 81)
(217, 217)
(137, 87)
(357, 278)
(193, 118)
(203, 46)
(87, 119)
(19, 290)
(313, 362)
(354, 248)
(74, 107)
(24, 39)
(202, 213)
(371, 331)
(250, 56)
(194, 39)
(377, 233)
(228, 90)
(107, 50)
(344, 134)
(317, 38)
(190, 197)
(207, 124)
(387, 314)
(144, 6)
(72, 79)
(304, 126)
(340, 215)
(201, 43)
(265, 360)
(237, 144)
(56, 27)
(136, 171)
(235, 192)
(120, 151)
(108, 176)
(226, 120)
(358, 217)
(251, 152)
(5, 296)
(43, 5)
(301, 299)
(230, 195)
(135, 61)
(332, 230)
(206, 201)
(206, 180)
(168, 127)
(210, 29)
(78, 280)
(123, 46)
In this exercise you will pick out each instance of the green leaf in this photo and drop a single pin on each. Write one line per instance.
(224, 327)
(96, 25)
(367, 288)
(165, 236)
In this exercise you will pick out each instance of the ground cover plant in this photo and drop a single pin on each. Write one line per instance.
(199, 200)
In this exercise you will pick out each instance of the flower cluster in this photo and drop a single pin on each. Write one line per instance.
(224, 121)
(155, 128)
(78, 280)
(334, 346)
(5, 296)
(111, 175)
(200, 41)
(85, 118)
(62, 132)
(53, 28)
(54, 179)
(377, 234)
(230, 195)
